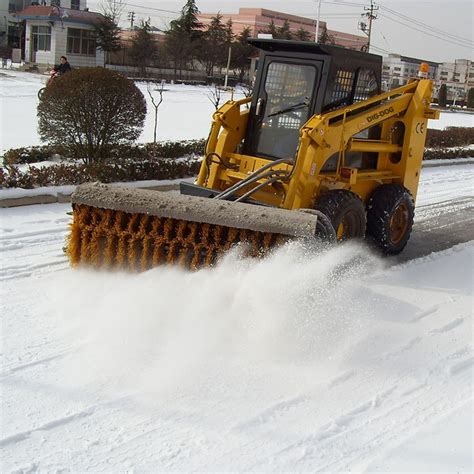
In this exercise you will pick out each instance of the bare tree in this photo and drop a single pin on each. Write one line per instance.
(113, 9)
(215, 95)
(156, 101)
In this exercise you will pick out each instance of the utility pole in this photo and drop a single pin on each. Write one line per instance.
(371, 16)
(131, 17)
(316, 36)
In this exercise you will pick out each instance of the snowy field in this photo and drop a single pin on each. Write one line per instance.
(185, 113)
(317, 362)
(302, 362)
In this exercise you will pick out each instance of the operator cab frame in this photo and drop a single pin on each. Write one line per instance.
(296, 80)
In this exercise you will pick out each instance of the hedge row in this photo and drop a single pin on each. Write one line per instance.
(168, 149)
(448, 153)
(449, 137)
(105, 172)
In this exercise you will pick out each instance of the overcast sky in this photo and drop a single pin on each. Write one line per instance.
(436, 30)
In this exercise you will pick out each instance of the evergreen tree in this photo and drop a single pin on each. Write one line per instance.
(470, 98)
(183, 37)
(325, 37)
(215, 45)
(271, 30)
(143, 49)
(241, 52)
(302, 35)
(443, 95)
(107, 36)
(284, 31)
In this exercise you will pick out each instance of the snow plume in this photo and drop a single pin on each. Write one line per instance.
(165, 329)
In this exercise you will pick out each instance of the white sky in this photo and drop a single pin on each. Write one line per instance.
(452, 21)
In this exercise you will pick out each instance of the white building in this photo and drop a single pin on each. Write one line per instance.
(60, 28)
(458, 77)
(398, 69)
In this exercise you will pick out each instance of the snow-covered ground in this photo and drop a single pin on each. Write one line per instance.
(334, 361)
(301, 362)
(185, 113)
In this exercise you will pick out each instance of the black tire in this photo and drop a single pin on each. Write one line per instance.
(324, 230)
(346, 212)
(390, 214)
(41, 92)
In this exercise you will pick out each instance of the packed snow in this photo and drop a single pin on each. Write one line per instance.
(304, 361)
(185, 113)
(315, 361)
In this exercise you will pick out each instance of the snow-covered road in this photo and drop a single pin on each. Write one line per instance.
(321, 362)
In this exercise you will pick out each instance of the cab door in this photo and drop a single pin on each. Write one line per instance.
(285, 101)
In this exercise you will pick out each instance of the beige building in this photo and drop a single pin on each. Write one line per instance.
(258, 19)
(60, 27)
(458, 77)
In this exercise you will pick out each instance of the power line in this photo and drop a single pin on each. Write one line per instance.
(447, 40)
(424, 25)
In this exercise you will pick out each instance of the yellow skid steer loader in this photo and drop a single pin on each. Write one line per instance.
(317, 136)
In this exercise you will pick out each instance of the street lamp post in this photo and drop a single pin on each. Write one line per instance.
(317, 22)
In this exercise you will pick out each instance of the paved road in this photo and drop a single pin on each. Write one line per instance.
(438, 227)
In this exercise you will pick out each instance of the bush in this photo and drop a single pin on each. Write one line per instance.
(88, 110)
(105, 172)
(19, 156)
(447, 153)
(449, 137)
(34, 154)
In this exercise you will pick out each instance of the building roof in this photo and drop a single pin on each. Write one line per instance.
(53, 13)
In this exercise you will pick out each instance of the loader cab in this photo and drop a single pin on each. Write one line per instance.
(296, 80)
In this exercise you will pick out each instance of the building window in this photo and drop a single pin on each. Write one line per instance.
(75, 4)
(81, 42)
(41, 38)
(55, 3)
(397, 69)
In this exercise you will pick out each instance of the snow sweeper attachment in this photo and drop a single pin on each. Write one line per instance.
(316, 136)
(139, 229)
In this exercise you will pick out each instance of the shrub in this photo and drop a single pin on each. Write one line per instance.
(34, 154)
(18, 156)
(470, 98)
(449, 137)
(106, 172)
(88, 110)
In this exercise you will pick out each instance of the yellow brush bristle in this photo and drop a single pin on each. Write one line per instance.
(116, 239)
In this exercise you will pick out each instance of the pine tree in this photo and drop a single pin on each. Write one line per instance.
(183, 37)
(302, 35)
(241, 52)
(325, 37)
(470, 98)
(284, 31)
(214, 49)
(443, 95)
(143, 47)
(107, 36)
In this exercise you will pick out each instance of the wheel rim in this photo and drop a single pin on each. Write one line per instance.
(343, 229)
(399, 223)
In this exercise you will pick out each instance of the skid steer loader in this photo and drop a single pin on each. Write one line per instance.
(317, 136)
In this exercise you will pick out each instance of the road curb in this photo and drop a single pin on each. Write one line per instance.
(61, 197)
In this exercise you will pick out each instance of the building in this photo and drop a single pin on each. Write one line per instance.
(397, 70)
(60, 27)
(258, 19)
(458, 77)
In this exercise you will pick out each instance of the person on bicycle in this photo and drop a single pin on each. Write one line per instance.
(63, 67)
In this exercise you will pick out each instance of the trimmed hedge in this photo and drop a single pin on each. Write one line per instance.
(167, 149)
(449, 137)
(105, 172)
